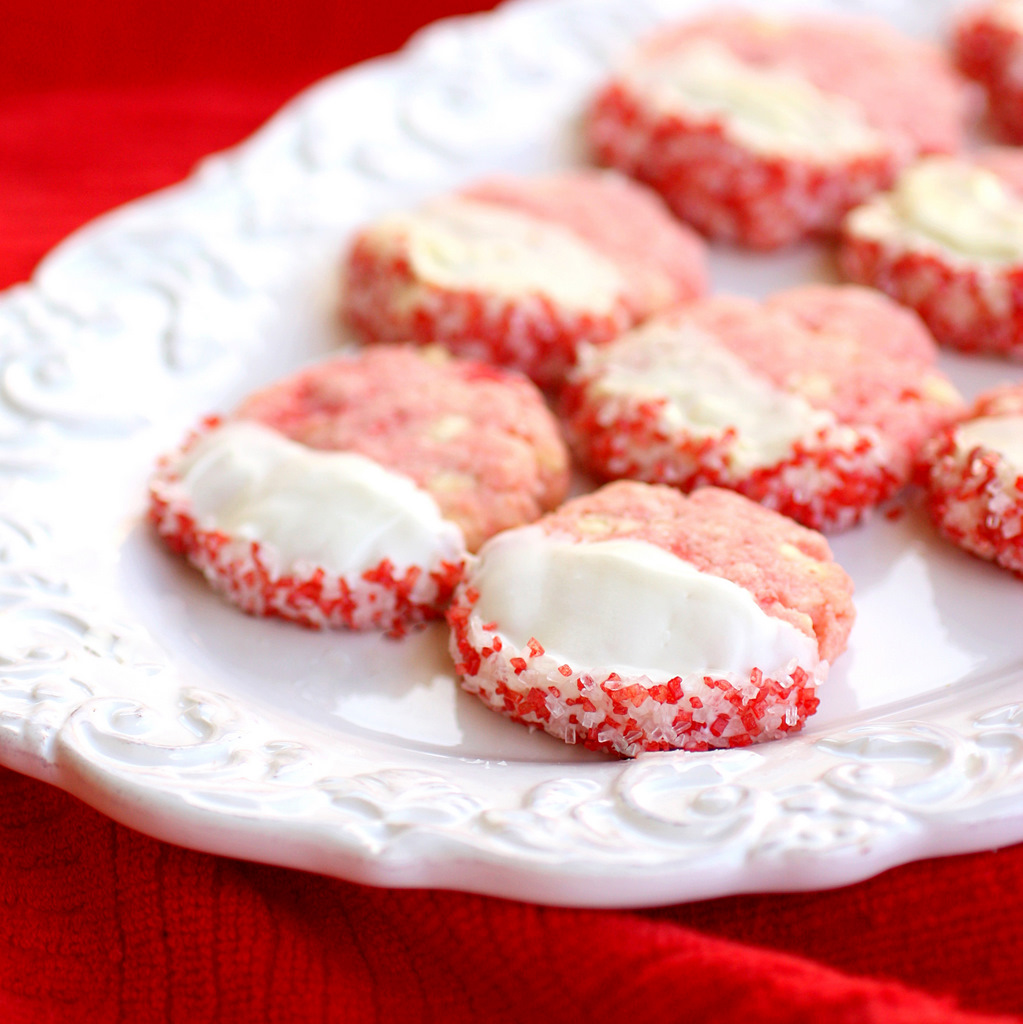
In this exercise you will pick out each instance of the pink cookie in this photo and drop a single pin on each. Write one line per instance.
(760, 131)
(636, 618)
(519, 272)
(988, 46)
(350, 493)
(947, 241)
(973, 471)
(813, 403)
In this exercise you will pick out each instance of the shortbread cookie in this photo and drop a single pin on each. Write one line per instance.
(988, 46)
(636, 618)
(760, 131)
(974, 479)
(814, 402)
(947, 241)
(520, 271)
(350, 493)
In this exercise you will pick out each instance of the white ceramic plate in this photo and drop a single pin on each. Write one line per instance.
(123, 680)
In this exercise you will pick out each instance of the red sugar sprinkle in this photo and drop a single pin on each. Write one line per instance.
(717, 727)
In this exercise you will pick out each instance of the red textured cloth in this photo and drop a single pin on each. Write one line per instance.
(101, 924)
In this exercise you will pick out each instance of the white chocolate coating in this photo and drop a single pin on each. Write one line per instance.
(1002, 434)
(630, 607)
(337, 510)
(465, 244)
(708, 389)
(767, 110)
(947, 203)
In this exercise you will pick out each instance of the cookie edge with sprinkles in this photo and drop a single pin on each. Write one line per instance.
(249, 573)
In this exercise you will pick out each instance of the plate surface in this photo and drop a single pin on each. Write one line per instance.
(124, 681)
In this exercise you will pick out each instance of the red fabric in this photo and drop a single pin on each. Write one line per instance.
(101, 924)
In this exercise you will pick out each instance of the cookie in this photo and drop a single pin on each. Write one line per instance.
(637, 618)
(761, 131)
(987, 43)
(350, 493)
(814, 402)
(520, 271)
(973, 473)
(947, 241)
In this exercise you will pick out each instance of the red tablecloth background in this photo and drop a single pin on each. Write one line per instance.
(100, 104)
